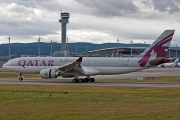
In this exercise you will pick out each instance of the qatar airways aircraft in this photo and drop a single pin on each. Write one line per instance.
(52, 67)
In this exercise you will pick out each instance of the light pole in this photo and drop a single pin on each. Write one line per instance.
(9, 47)
(117, 47)
(176, 50)
(76, 48)
(87, 50)
(39, 40)
(131, 47)
(51, 47)
(169, 53)
(144, 46)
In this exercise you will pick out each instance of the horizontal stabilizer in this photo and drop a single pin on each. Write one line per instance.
(158, 61)
(155, 61)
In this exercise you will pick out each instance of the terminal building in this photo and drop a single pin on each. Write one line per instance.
(125, 52)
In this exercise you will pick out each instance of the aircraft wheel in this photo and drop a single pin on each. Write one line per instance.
(86, 80)
(92, 79)
(20, 78)
(81, 80)
(74, 81)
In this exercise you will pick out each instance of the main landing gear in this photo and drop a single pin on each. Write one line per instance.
(81, 80)
(20, 77)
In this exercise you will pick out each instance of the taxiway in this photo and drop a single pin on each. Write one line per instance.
(152, 72)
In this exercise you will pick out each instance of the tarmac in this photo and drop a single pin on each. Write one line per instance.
(106, 80)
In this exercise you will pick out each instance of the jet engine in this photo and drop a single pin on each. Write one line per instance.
(49, 73)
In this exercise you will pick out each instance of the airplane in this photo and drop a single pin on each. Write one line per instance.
(172, 64)
(53, 67)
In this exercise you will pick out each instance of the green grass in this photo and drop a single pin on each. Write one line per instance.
(8, 74)
(29, 102)
(15, 75)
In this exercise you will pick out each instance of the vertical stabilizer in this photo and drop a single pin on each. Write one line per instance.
(175, 63)
(158, 48)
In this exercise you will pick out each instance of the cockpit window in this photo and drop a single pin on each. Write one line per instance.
(10, 63)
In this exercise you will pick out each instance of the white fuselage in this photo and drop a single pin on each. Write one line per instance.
(105, 66)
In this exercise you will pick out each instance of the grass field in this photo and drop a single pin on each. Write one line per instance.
(8, 74)
(33, 102)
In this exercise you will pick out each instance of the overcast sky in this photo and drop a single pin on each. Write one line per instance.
(96, 21)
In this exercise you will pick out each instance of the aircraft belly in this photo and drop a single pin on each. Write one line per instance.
(90, 71)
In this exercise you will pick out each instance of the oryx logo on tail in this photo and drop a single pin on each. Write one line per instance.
(158, 49)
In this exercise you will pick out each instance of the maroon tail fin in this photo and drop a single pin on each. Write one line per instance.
(158, 48)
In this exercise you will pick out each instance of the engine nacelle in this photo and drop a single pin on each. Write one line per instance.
(49, 73)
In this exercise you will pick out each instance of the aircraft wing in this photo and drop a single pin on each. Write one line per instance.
(76, 65)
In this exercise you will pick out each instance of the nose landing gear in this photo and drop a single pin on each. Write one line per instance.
(21, 77)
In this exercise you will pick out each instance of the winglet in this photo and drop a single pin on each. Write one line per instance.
(79, 59)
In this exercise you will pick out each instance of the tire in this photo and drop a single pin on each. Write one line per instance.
(92, 79)
(20, 78)
(74, 80)
(81, 80)
(86, 80)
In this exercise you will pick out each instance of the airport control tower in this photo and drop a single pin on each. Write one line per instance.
(64, 20)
